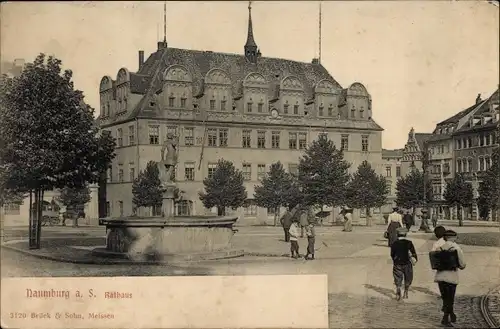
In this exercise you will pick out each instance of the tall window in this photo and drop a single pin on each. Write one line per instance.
(344, 142)
(223, 105)
(398, 171)
(120, 173)
(131, 135)
(261, 171)
(212, 104)
(189, 136)
(321, 110)
(211, 169)
(131, 174)
(189, 171)
(183, 103)
(388, 171)
(361, 113)
(154, 135)
(292, 141)
(171, 101)
(295, 109)
(260, 107)
(249, 107)
(108, 209)
(261, 139)
(364, 143)
(275, 139)
(459, 166)
(353, 113)
(302, 141)
(246, 141)
(120, 208)
(120, 137)
(183, 208)
(481, 164)
(212, 136)
(285, 109)
(247, 171)
(330, 110)
(223, 137)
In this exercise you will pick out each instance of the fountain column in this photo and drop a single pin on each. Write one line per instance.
(168, 206)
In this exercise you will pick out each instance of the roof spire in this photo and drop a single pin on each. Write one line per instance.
(319, 60)
(251, 51)
(165, 21)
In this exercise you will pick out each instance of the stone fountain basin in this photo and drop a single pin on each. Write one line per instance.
(182, 237)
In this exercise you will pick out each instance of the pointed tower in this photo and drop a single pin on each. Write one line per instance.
(251, 49)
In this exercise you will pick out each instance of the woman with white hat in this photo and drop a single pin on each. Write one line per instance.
(348, 219)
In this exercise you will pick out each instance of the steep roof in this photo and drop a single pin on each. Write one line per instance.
(421, 138)
(483, 108)
(392, 153)
(455, 118)
(200, 62)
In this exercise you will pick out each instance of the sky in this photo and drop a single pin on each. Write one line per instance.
(421, 61)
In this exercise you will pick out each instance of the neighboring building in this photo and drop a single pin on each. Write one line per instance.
(13, 69)
(391, 169)
(474, 141)
(413, 150)
(246, 108)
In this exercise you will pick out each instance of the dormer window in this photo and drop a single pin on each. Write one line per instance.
(223, 105)
(285, 108)
(295, 109)
(183, 102)
(321, 110)
(353, 112)
(330, 110)
(212, 104)
(171, 101)
(249, 107)
(260, 107)
(361, 112)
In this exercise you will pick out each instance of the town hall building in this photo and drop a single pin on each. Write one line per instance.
(247, 108)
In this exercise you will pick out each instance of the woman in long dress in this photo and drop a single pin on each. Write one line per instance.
(348, 219)
(395, 221)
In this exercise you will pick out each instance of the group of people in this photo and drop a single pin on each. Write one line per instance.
(446, 258)
(296, 222)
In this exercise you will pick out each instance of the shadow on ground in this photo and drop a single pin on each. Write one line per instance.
(384, 311)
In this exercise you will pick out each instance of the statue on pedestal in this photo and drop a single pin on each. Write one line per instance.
(169, 161)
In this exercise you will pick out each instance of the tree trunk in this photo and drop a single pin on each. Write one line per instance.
(276, 216)
(368, 217)
(221, 211)
(39, 218)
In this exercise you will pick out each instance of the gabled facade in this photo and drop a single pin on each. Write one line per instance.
(246, 108)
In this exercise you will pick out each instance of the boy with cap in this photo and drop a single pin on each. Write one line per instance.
(311, 238)
(402, 252)
(447, 278)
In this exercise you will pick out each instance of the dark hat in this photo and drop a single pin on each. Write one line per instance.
(450, 233)
(402, 231)
(439, 231)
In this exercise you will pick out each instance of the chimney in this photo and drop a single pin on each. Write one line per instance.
(478, 98)
(315, 61)
(141, 58)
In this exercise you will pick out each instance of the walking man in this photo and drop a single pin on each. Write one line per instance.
(407, 220)
(402, 252)
(451, 259)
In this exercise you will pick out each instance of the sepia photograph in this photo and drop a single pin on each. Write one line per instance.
(250, 164)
